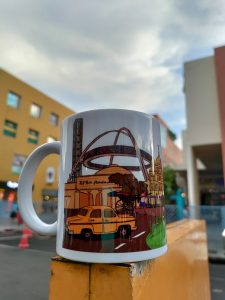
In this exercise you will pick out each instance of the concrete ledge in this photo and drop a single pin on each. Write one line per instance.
(182, 273)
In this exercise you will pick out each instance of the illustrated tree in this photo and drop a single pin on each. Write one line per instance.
(131, 188)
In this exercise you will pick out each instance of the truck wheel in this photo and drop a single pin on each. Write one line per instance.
(86, 234)
(124, 231)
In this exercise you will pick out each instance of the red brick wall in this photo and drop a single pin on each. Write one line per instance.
(172, 154)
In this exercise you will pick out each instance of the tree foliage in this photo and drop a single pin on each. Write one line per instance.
(170, 186)
(131, 187)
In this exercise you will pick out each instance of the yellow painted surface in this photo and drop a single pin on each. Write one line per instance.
(21, 116)
(69, 281)
(110, 282)
(182, 273)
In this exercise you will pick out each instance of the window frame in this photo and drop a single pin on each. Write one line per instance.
(20, 158)
(52, 114)
(33, 138)
(18, 98)
(6, 129)
(33, 104)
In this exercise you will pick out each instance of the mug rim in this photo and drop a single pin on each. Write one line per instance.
(104, 110)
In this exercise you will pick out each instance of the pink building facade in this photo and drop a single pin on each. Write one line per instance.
(172, 154)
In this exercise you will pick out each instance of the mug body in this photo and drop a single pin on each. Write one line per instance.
(111, 203)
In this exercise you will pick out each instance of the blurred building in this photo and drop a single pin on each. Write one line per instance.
(28, 118)
(172, 154)
(204, 138)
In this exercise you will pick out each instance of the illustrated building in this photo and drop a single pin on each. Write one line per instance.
(28, 118)
(93, 190)
(155, 180)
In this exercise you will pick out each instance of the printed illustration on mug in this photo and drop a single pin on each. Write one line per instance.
(110, 209)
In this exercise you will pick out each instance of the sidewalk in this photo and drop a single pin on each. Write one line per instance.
(8, 226)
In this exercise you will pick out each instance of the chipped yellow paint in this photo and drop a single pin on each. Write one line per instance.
(182, 273)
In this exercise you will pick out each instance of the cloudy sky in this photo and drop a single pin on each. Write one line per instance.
(110, 54)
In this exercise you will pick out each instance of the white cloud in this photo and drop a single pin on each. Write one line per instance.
(125, 54)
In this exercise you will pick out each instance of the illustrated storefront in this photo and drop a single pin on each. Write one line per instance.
(94, 189)
(106, 186)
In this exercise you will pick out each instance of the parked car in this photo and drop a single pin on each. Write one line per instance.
(98, 220)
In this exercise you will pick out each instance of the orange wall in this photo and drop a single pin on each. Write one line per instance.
(19, 145)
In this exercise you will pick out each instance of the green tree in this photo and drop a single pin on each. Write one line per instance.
(170, 186)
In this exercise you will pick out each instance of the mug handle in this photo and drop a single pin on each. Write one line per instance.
(25, 203)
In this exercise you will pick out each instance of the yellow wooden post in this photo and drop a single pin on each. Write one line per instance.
(182, 273)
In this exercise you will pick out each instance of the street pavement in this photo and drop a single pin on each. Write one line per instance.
(25, 273)
(217, 280)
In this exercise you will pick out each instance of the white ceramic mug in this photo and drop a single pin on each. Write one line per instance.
(110, 198)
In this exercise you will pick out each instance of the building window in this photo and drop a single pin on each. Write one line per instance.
(10, 128)
(51, 139)
(35, 111)
(13, 100)
(33, 136)
(54, 119)
(18, 162)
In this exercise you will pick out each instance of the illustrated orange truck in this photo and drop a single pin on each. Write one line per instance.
(98, 220)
